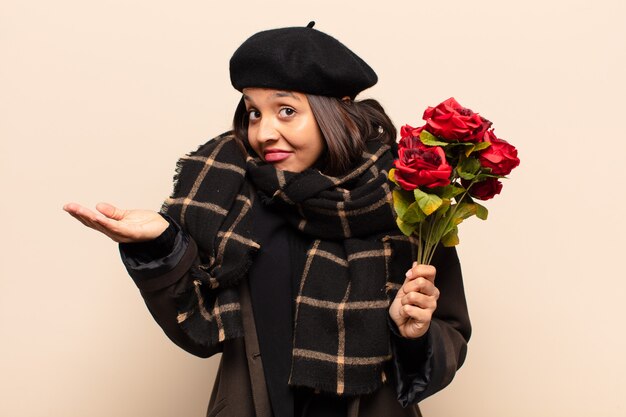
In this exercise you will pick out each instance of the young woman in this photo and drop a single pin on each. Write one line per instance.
(278, 247)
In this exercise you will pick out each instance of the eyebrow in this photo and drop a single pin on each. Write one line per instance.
(277, 94)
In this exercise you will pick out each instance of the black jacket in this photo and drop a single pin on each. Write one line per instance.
(419, 367)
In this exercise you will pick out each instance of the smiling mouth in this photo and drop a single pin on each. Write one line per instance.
(276, 156)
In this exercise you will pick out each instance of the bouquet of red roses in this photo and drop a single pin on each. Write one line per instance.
(442, 167)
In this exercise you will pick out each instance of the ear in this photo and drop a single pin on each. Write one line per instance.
(346, 99)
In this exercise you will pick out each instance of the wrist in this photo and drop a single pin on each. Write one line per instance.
(157, 247)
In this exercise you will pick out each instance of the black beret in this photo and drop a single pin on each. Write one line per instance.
(300, 59)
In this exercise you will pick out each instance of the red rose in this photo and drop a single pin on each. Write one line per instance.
(411, 142)
(450, 121)
(421, 165)
(484, 190)
(410, 136)
(408, 131)
(501, 156)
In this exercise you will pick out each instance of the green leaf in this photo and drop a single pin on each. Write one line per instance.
(468, 168)
(401, 201)
(445, 206)
(463, 211)
(477, 147)
(392, 176)
(429, 139)
(450, 191)
(427, 202)
(481, 145)
(481, 177)
(449, 226)
(468, 151)
(471, 165)
(413, 214)
(451, 238)
(457, 150)
(481, 211)
(464, 175)
(461, 144)
(405, 228)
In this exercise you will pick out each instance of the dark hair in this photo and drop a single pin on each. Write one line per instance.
(345, 125)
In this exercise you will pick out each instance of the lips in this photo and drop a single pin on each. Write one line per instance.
(277, 155)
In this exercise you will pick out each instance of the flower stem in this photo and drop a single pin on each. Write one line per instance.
(438, 225)
(419, 244)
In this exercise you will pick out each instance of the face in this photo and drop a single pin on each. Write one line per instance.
(282, 129)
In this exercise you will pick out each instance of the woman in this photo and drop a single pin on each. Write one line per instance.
(278, 248)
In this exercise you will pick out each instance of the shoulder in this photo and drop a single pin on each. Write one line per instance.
(222, 151)
(217, 143)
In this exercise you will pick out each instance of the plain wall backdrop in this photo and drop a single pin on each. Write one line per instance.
(99, 99)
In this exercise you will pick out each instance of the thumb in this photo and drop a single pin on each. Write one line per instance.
(110, 211)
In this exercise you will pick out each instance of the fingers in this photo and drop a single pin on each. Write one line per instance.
(93, 220)
(416, 301)
(419, 291)
(91, 224)
(420, 302)
(118, 224)
(421, 270)
(111, 211)
(417, 318)
(80, 219)
(88, 218)
(420, 285)
(113, 228)
(412, 312)
(83, 214)
(71, 207)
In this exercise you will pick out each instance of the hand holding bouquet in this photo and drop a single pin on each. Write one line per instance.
(442, 167)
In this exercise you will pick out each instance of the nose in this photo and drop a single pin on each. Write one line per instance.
(267, 130)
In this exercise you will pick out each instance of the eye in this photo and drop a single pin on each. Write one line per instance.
(287, 112)
(253, 114)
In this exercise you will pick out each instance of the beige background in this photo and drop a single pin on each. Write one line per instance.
(99, 99)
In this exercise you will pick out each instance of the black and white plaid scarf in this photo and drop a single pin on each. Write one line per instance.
(353, 267)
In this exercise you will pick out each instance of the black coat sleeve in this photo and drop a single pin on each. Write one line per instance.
(426, 365)
(160, 269)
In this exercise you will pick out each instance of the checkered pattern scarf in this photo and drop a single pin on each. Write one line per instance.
(353, 267)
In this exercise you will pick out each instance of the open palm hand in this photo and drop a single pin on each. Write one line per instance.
(118, 224)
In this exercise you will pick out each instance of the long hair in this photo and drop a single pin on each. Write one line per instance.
(345, 126)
